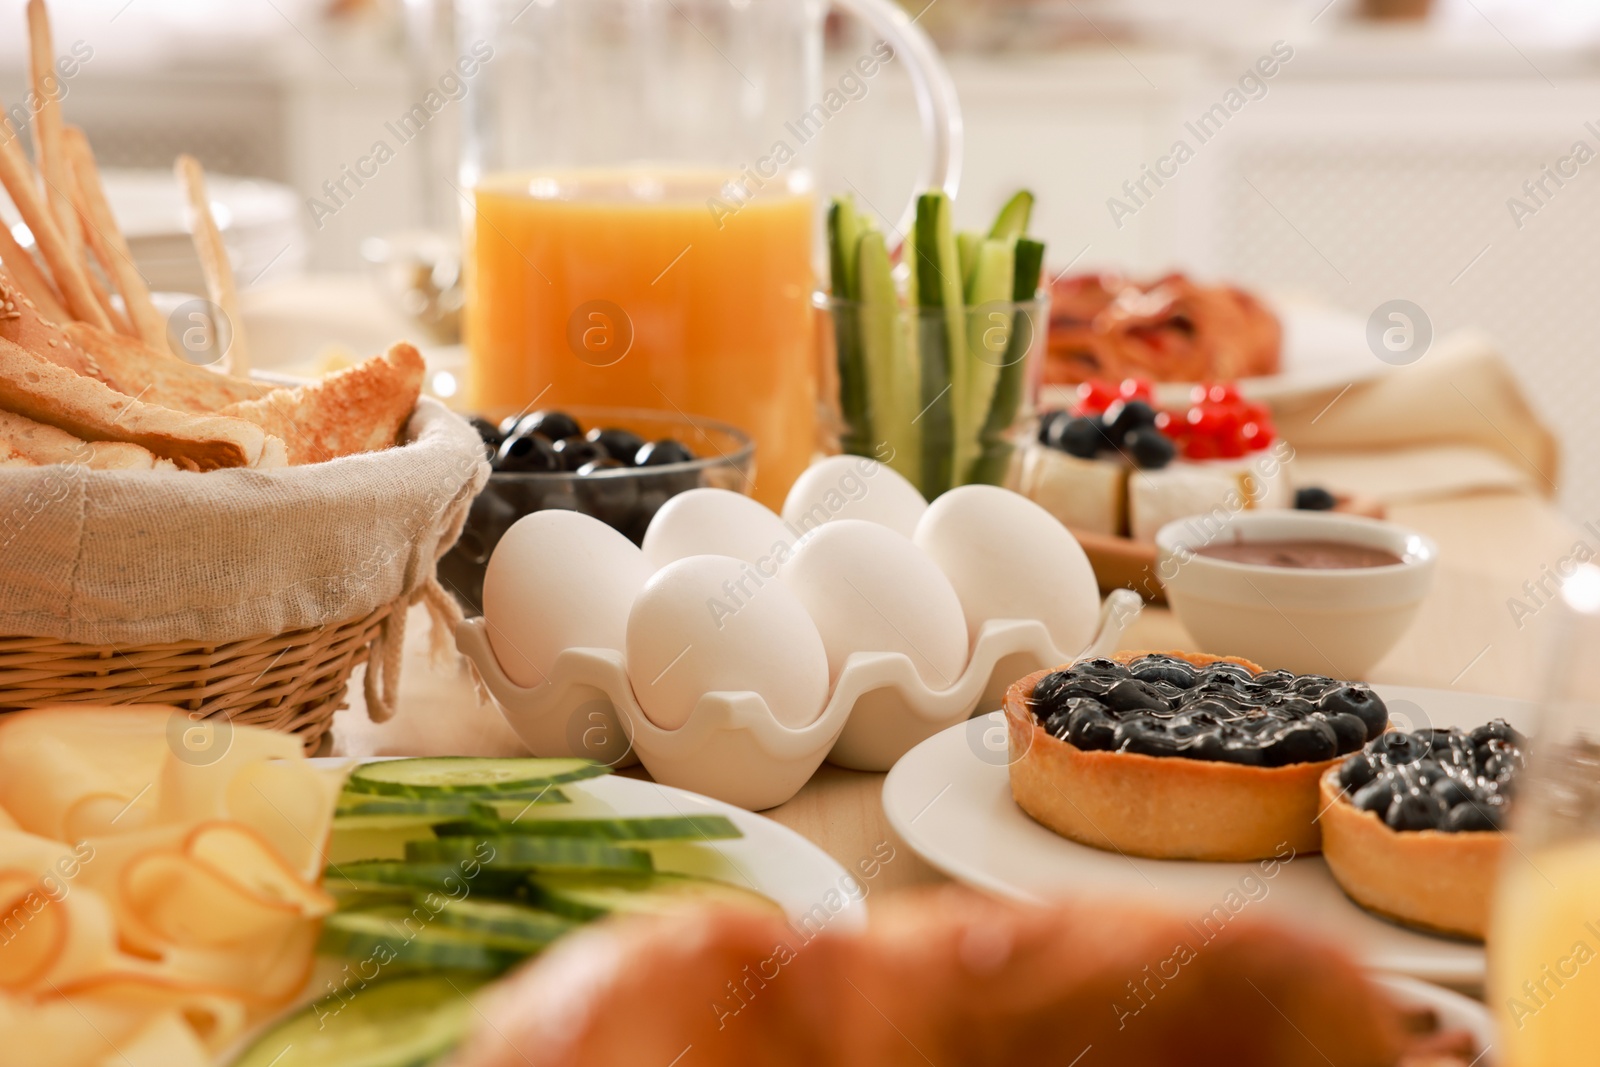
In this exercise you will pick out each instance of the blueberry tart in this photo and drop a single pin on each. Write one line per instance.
(1413, 823)
(1176, 755)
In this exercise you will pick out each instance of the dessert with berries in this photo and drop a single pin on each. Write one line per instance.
(1182, 755)
(1116, 464)
(1413, 823)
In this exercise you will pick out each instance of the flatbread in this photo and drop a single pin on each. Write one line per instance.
(22, 323)
(46, 392)
(130, 366)
(44, 445)
(360, 409)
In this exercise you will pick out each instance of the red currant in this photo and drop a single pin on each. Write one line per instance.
(1094, 397)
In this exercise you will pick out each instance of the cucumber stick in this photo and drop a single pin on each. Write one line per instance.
(893, 375)
(856, 406)
(995, 460)
(396, 1022)
(989, 329)
(941, 337)
(967, 245)
(1013, 218)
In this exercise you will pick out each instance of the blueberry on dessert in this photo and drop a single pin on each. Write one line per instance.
(1411, 829)
(1183, 756)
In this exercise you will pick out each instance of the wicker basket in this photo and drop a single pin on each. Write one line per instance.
(292, 682)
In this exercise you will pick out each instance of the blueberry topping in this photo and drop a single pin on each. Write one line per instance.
(1415, 810)
(487, 430)
(1356, 772)
(1160, 705)
(1126, 416)
(575, 452)
(1149, 448)
(1081, 437)
(1436, 779)
(552, 424)
(1359, 700)
(1314, 498)
(1050, 424)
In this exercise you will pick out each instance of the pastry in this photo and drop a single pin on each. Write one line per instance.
(1182, 755)
(1413, 823)
(1168, 330)
(1113, 464)
(947, 977)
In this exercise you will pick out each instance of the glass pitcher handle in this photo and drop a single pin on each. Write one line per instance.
(937, 105)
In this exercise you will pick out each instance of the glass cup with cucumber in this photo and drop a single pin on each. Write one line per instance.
(936, 347)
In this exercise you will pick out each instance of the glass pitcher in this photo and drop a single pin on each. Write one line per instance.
(642, 212)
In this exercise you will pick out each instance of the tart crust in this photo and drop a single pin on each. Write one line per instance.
(1424, 878)
(1162, 807)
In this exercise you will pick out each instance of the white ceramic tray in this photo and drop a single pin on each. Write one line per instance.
(732, 748)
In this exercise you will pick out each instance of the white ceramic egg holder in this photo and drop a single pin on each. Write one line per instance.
(732, 748)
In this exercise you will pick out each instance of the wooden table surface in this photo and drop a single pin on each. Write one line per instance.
(1465, 637)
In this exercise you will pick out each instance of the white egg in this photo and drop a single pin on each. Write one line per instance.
(870, 589)
(1008, 558)
(716, 522)
(558, 580)
(714, 624)
(853, 487)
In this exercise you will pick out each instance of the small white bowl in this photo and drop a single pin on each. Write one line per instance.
(1310, 621)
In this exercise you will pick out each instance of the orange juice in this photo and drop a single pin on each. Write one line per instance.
(1544, 957)
(635, 289)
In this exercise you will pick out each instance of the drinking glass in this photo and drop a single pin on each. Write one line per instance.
(1544, 944)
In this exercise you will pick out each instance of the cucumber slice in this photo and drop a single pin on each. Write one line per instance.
(412, 935)
(593, 897)
(1013, 218)
(379, 876)
(469, 776)
(357, 846)
(894, 375)
(663, 828)
(527, 852)
(515, 927)
(372, 805)
(395, 1022)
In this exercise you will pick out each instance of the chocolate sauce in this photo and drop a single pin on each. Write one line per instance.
(1302, 555)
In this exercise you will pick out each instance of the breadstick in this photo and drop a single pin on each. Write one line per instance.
(47, 149)
(110, 247)
(214, 262)
(26, 273)
(16, 174)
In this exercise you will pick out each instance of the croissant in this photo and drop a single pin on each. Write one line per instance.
(945, 977)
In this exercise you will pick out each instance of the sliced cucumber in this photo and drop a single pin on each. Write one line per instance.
(395, 1022)
(402, 810)
(997, 448)
(989, 329)
(411, 935)
(592, 897)
(504, 925)
(893, 373)
(662, 828)
(381, 876)
(1013, 218)
(941, 338)
(469, 776)
(527, 852)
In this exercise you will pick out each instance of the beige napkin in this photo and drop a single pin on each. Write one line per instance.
(1438, 426)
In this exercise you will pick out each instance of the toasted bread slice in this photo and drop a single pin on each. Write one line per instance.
(22, 323)
(130, 366)
(46, 392)
(45, 445)
(359, 409)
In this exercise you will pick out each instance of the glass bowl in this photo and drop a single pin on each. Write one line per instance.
(624, 498)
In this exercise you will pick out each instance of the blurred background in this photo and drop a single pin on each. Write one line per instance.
(1400, 149)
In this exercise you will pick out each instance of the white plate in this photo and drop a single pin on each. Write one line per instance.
(950, 800)
(1455, 1012)
(770, 858)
